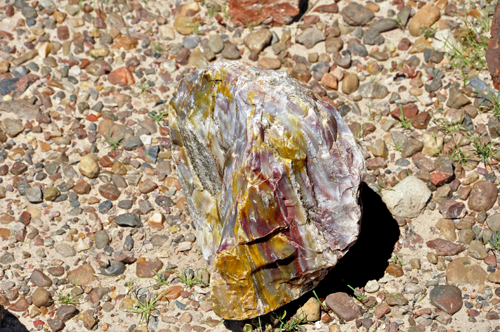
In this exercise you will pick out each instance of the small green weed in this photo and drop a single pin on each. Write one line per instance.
(112, 143)
(397, 260)
(145, 86)
(68, 299)
(161, 279)
(321, 303)
(158, 47)
(406, 123)
(357, 296)
(158, 115)
(196, 30)
(144, 308)
(189, 280)
(495, 241)
(468, 54)
(484, 150)
(292, 324)
(428, 32)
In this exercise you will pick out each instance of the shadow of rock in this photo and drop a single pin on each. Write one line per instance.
(366, 260)
(368, 257)
(11, 323)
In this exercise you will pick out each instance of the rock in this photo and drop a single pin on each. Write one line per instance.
(65, 250)
(255, 255)
(20, 305)
(310, 37)
(407, 198)
(101, 239)
(447, 227)
(66, 312)
(230, 52)
(121, 76)
(34, 195)
(483, 196)
(494, 277)
(396, 299)
(12, 127)
(88, 319)
(456, 99)
(268, 63)
(464, 271)
(114, 269)
(255, 41)
(394, 270)
(451, 209)
(197, 59)
(311, 310)
(493, 51)
(215, 43)
(55, 324)
(109, 191)
(356, 15)
(424, 18)
(445, 248)
(493, 222)
(82, 276)
(128, 220)
(447, 298)
(172, 293)
(40, 279)
(51, 193)
(41, 297)
(373, 90)
(184, 25)
(89, 165)
(381, 310)
(477, 250)
(146, 268)
(379, 149)
(20, 108)
(343, 306)
(410, 147)
(255, 12)
(333, 45)
(350, 83)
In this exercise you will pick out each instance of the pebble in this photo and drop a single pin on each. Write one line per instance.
(464, 271)
(40, 279)
(350, 83)
(101, 239)
(89, 165)
(343, 306)
(356, 15)
(447, 298)
(483, 196)
(311, 310)
(114, 269)
(257, 40)
(41, 297)
(424, 18)
(147, 268)
(128, 220)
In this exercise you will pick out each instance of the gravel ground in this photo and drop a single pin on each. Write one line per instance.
(93, 220)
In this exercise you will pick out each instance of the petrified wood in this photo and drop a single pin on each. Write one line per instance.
(271, 176)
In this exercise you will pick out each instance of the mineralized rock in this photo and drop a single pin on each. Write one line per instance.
(271, 175)
(256, 12)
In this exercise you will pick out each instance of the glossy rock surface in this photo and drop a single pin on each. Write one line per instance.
(271, 175)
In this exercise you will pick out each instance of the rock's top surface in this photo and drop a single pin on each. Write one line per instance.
(247, 13)
(271, 176)
(407, 198)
